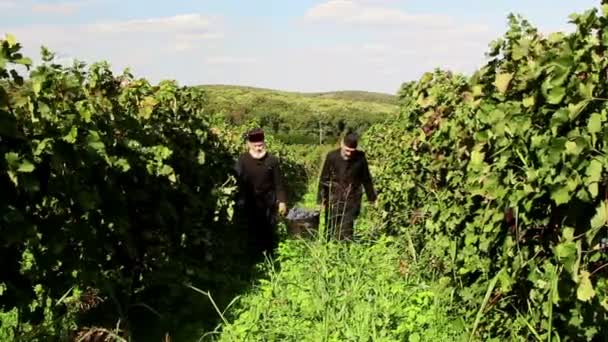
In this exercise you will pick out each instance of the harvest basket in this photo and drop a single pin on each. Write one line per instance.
(306, 227)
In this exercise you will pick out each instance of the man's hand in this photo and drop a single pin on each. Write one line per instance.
(282, 209)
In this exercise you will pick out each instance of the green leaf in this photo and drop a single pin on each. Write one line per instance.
(595, 123)
(529, 102)
(594, 175)
(427, 101)
(575, 109)
(586, 90)
(147, 107)
(172, 178)
(506, 281)
(556, 150)
(599, 219)
(521, 49)
(568, 233)
(477, 158)
(10, 39)
(41, 146)
(26, 166)
(13, 178)
(123, 164)
(594, 170)
(94, 141)
(37, 84)
(558, 119)
(571, 147)
(561, 195)
(566, 254)
(597, 222)
(11, 158)
(593, 189)
(84, 111)
(16, 163)
(556, 37)
(415, 337)
(24, 61)
(585, 291)
(573, 183)
(477, 90)
(502, 82)
(71, 137)
(556, 95)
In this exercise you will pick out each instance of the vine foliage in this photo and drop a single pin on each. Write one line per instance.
(110, 183)
(501, 179)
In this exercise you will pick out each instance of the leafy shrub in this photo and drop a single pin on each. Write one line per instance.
(111, 183)
(502, 177)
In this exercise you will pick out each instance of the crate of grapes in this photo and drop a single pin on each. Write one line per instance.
(302, 222)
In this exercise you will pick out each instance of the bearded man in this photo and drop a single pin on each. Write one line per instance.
(344, 175)
(260, 191)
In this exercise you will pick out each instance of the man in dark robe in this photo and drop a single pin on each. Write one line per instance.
(344, 176)
(260, 194)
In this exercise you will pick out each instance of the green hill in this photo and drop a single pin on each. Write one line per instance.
(350, 95)
(300, 117)
(357, 95)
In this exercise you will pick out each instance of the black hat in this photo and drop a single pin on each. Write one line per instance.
(350, 140)
(255, 135)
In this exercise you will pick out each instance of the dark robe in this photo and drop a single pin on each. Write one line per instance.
(341, 186)
(260, 188)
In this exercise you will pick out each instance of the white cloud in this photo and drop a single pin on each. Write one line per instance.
(62, 8)
(59, 8)
(192, 23)
(181, 32)
(395, 45)
(366, 13)
(229, 60)
(7, 4)
(153, 48)
(192, 47)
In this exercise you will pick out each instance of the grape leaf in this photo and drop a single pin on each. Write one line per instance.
(595, 123)
(561, 195)
(556, 95)
(585, 291)
(566, 254)
(502, 82)
(26, 166)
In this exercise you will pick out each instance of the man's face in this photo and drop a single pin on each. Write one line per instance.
(257, 149)
(347, 152)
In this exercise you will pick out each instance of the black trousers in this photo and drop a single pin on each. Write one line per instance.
(340, 220)
(260, 229)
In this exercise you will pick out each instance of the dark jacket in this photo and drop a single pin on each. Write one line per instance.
(259, 181)
(344, 180)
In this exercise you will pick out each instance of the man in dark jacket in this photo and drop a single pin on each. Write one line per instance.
(344, 176)
(260, 189)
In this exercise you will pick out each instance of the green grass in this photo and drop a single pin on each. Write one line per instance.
(364, 291)
(344, 292)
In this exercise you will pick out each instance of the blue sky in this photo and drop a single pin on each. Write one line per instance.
(300, 45)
